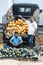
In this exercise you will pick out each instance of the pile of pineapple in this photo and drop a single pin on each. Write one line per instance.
(19, 26)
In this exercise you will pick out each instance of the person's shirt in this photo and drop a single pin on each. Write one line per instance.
(15, 40)
(32, 27)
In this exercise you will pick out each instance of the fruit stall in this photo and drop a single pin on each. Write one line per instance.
(13, 23)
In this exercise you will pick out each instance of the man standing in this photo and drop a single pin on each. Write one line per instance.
(31, 31)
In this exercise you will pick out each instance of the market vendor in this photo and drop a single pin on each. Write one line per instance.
(16, 40)
(31, 31)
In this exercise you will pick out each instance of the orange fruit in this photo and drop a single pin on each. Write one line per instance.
(15, 28)
(19, 19)
(10, 24)
(26, 26)
(16, 22)
(13, 24)
(7, 28)
(22, 33)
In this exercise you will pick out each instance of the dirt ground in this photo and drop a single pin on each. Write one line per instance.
(21, 62)
(16, 62)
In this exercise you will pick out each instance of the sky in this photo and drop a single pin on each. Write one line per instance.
(6, 4)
